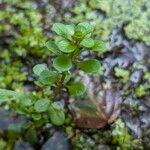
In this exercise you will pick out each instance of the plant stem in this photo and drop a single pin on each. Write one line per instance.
(60, 83)
(59, 86)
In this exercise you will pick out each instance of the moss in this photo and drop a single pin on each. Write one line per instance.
(22, 22)
(124, 74)
(11, 75)
(140, 91)
(120, 135)
(105, 15)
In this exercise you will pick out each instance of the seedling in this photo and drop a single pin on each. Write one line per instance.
(73, 40)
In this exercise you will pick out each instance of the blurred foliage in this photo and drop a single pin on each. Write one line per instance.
(140, 91)
(124, 74)
(20, 25)
(120, 135)
(82, 141)
(143, 88)
(122, 138)
(2, 144)
(22, 34)
(147, 76)
(105, 15)
(12, 74)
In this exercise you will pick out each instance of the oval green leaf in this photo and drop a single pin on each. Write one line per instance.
(41, 105)
(76, 89)
(48, 77)
(57, 115)
(90, 65)
(52, 47)
(66, 46)
(99, 46)
(27, 99)
(70, 29)
(62, 63)
(59, 28)
(37, 69)
(88, 43)
(62, 29)
(36, 116)
(87, 25)
(7, 95)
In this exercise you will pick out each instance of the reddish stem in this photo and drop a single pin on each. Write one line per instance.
(59, 86)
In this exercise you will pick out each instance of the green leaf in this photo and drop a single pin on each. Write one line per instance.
(36, 116)
(70, 29)
(37, 69)
(4, 92)
(57, 115)
(90, 65)
(76, 89)
(87, 25)
(80, 32)
(62, 29)
(26, 102)
(59, 28)
(52, 47)
(8, 95)
(66, 46)
(89, 42)
(41, 105)
(48, 77)
(99, 46)
(27, 99)
(62, 63)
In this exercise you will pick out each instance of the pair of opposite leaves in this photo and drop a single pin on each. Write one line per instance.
(99, 110)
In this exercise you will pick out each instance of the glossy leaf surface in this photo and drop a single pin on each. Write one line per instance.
(62, 63)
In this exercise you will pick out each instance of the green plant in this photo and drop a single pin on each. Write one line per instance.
(143, 88)
(10, 77)
(120, 135)
(140, 91)
(105, 15)
(124, 74)
(73, 40)
(22, 22)
(122, 138)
